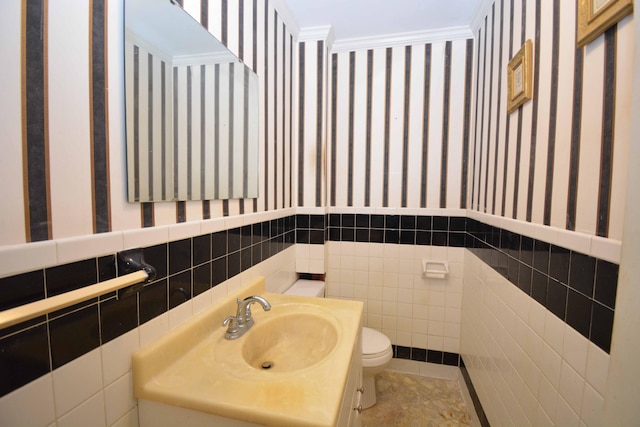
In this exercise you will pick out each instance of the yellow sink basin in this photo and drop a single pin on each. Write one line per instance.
(285, 342)
(307, 343)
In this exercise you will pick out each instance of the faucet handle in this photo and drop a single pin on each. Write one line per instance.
(232, 321)
(233, 328)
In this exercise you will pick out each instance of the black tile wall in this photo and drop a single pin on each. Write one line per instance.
(153, 300)
(68, 277)
(218, 244)
(179, 288)
(201, 249)
(158, 257)
(401, 352)
(578, 314)
(582, 273)
(419, 354)
(106, 268)
(424, 355)
(179, 256)
(310, 229)
(202, 278)
(185, 268)
(434, 356)
(398, 229)
(601, 326)
(73, 335)
(571, 285)
(24, 357)
(21, 289)
(117, 317)
(606, 283)
(579, 289)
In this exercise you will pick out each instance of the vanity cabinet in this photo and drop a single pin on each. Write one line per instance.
(350, 409)
(195, 377)
(159, 414)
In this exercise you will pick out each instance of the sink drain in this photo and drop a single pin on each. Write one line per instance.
(267, 365)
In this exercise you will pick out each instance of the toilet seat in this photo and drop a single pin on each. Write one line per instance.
(376, 347)
(374, 342)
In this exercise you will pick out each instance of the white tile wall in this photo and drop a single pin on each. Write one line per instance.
(411, 310)
(527, 366)
(12, 406)
(76, 381)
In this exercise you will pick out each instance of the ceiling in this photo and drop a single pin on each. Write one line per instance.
(367, 18)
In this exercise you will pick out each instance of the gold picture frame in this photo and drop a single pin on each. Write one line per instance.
(596, 16)
(519, 78)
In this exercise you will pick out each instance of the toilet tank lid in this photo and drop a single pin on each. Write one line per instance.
(374, 342)
(306, 288)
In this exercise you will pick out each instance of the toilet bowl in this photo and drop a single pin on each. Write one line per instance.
(376, 356)
(376, 347)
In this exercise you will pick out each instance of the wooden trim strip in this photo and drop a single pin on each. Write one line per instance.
(367, 170)
(555, 58)
(275, 110)
(352, 90)
(424, 178)
(405, 125)
(468, 81)
(319, 122)
(444, 162)
(387, 127)
(490, 110)
(301, 71)
(334, 113)
(32, 310)
(35, 122)
(534, 113)
(608, 129)
(499, 113)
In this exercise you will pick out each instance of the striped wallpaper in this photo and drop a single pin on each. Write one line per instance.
(422, 125)
(63, 163)
(399, 123)
(561, 158)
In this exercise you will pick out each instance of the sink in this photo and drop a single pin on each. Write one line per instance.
(193, 371)
(289, 342)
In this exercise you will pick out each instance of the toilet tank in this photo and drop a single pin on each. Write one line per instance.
(306, 288)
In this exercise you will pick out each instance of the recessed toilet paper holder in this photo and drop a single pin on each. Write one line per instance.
(435, 269)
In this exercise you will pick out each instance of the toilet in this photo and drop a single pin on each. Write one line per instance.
(376, 347)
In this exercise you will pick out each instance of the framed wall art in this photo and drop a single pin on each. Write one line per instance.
(519, 78)
(596, 16)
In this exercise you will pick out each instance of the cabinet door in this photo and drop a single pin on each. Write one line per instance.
(349, 410)
(355, 419)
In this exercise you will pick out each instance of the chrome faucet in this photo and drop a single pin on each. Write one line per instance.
(240, 323)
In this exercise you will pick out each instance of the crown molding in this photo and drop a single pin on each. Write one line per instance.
(205, 58)
(287, 17)
(403, 39)
(324, 32)
(138, 40)
(315, 33)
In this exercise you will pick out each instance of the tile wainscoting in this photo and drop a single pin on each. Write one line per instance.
(370, 256)
(578, 288)
(185, 269)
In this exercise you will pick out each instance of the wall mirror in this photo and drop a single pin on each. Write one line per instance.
(191, 109)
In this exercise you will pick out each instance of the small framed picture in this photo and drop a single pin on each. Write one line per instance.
(596, 16)
(519, 78)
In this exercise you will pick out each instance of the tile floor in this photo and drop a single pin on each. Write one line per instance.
(406, 400)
